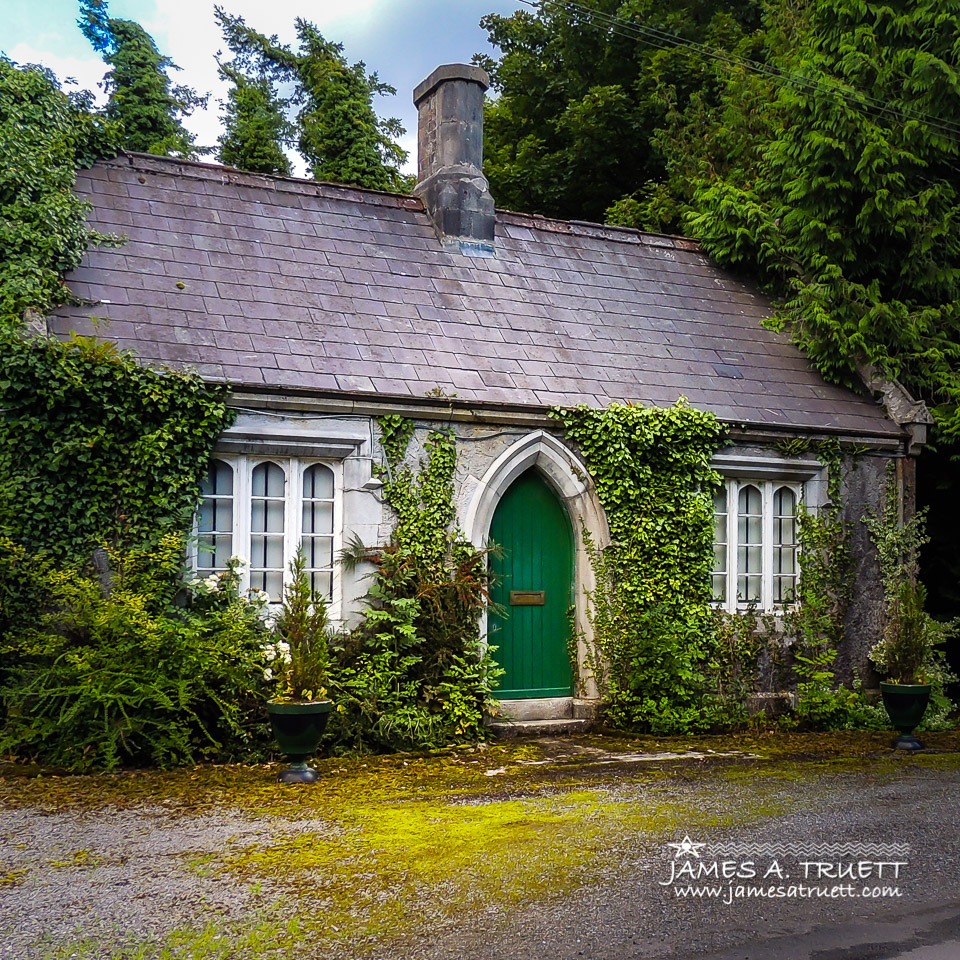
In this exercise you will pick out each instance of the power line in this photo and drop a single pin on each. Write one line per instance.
(633, 30)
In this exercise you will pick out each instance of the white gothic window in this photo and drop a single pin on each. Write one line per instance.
(215, 519)
(755, 544)
(267, 508)
(261, 510)
(317, 527)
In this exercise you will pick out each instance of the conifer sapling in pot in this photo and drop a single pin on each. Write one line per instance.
(298, 665)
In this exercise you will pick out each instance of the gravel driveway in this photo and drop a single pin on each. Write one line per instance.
(551, 850)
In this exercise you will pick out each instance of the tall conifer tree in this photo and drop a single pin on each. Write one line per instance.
(254, 125)
(338, 131)
(142, 96)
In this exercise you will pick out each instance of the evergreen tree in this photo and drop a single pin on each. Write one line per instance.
(141, 95)
(254, 125)
(338, 131)
(580, 97)
(846, 200)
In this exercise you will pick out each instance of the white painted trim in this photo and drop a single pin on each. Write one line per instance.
(569, 478)
(293, 467)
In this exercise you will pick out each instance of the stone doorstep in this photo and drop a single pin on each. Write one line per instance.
(550, 708)
(512, 729)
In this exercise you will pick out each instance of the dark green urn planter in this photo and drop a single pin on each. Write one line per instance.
(298, 728)
(905, 704)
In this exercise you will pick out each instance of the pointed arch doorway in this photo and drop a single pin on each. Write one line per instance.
(533, 587)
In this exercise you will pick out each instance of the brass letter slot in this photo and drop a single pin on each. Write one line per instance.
(528, 598)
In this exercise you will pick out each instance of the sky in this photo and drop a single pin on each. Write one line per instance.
(402, 40)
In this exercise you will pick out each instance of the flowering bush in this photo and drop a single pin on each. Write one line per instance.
(298, 656)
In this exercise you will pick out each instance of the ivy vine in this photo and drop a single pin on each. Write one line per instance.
(414, 674)
(94, 446)
(651, 612)
(45, 136)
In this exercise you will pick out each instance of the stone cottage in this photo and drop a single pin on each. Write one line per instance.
(325, 307)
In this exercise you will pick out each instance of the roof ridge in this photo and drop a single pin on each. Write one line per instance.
(605, 231)
(201, 170)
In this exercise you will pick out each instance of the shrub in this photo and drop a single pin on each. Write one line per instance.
(131, 669)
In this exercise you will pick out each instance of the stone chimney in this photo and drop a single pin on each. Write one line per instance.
(450, 179)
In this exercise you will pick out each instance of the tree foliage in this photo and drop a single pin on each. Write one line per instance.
(45, 135)
(142, 97)
(338, 132)
(572, 129)
(846, 202)
(255, 127)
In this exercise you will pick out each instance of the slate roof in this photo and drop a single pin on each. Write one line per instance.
(282, 283)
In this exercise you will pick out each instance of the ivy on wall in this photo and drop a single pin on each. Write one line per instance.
(651, 610)
(414, 673)
(95, 447)
(45, 136)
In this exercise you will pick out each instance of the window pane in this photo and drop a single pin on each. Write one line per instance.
(218, 481)
(213, 552)
(205, 521)
(317, 517)
(750, 501)
(720, 588)
(318, 552)
(748, 589)
(322, 582)
(318, 483)
(271, 581)
(268, 480)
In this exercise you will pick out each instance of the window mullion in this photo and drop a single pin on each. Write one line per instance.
(766, 584)
(241, 518)
(733, 538)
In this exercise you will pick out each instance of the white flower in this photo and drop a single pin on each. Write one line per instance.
(270, 652)
(212, 583)
(267, 674)
(270, 622)
(283, 646)
(239, 561)
(287, 658)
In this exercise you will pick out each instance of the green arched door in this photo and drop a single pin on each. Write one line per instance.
(533, 583)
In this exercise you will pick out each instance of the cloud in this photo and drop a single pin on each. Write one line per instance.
(87, 72)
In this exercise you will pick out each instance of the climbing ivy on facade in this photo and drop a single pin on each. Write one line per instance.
(651, 611)
(414, 674)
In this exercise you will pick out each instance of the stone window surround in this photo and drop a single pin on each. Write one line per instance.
(807, 478)
(294, 467)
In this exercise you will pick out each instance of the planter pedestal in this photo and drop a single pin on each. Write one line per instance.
(298, 728)
(905, 705)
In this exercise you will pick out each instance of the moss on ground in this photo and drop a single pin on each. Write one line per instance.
(386, 847)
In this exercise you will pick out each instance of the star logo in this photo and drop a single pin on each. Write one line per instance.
(686, 846)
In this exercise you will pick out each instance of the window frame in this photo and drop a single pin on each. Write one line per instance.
(767, 487)
(293, 467)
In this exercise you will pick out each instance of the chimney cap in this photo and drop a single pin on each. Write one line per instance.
(450, 71)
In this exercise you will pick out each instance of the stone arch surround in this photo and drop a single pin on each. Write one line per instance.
(569, 478)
